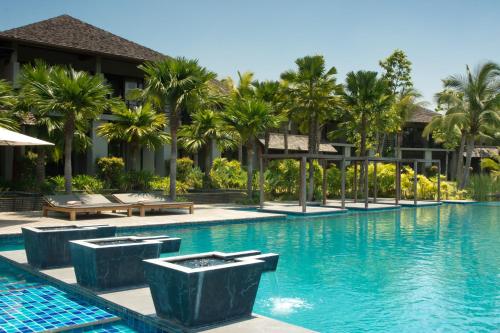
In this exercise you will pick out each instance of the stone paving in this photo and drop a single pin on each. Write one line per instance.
(11, 222)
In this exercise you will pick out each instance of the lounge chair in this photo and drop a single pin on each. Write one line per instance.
(82, 203)
(147, 201)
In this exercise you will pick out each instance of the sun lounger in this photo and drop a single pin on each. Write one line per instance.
(147, 201)
(82, 203)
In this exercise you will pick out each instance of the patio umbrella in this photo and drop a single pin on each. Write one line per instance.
(10, 138)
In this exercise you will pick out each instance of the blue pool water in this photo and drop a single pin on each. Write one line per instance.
(434, 269)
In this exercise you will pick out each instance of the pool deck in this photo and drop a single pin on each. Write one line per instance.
(11, 222)
(295, 209)
(409, 203)
(360, 205)
(138, 302)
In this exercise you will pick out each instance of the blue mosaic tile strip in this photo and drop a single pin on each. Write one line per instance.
(107, 328)
(40, 308)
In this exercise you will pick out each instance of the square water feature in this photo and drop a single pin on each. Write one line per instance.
(206, 288)
(116, 262)
(48, 247)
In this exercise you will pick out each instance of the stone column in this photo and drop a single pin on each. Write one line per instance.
(98, 149)
(428, 157)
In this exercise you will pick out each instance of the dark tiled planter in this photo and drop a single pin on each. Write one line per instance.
(108, 263)
(207, 288)
(48, 247)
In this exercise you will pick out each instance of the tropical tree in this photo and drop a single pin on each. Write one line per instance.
(448, 129)
(206, 130)
(7, 103)
(76, 96)
(312, 90)
(175, 84)
(481, 96)
(138, 127)
(397, 73)
(272, 93)
(250, 118)
(365, 95)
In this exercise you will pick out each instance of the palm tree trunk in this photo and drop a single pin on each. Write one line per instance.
(249, 167)
(69, 130)
(195, 159)
(460, 159)
(267, 137)
(40, 166)
(468, 158)
(134, 152)
(399, 142)
(174, 125)
(285, 137)
(208, 159)
(240, 153)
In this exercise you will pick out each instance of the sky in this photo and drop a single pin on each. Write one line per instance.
(266, 36)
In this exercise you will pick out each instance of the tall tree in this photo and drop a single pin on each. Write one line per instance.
(174, 84)
(138, 127)
(481, 93)
(77, 96)
(397, 73)
(312, 88)
(250, 118)
(206, 130)
(271, 92)
(365, 95)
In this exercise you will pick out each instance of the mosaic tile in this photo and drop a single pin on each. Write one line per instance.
(27, 305)
(107, 328)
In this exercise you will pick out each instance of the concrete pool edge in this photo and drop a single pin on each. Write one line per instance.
(136, 319)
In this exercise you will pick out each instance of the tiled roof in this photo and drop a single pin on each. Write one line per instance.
(68, 32)
(297, 143)
(422, 115)
(484, 152)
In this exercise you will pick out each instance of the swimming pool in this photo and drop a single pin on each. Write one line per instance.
(412, 270)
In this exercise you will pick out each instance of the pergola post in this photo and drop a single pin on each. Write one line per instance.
(261, 182)
(398, 182)
(303, 197)
(415, 180)
(342, 184)
(324, 182)
(355, 183)
(366, 181)
(439, 182)
(375, 182)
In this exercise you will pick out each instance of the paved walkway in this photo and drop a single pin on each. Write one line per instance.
(11, 222)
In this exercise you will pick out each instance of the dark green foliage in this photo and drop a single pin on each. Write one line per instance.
(110, 169)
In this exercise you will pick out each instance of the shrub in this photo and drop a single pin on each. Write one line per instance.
(163, 184)
(136, 181)
(84, 183)
(184, 168)
(282, 179)
(87, 184)
(227, 174)
(484, 187)
(110, 169)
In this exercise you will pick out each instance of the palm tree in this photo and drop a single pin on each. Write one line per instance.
(312, 88)
(7, 103)
(403, 108)
(250, 118)
(446, 127)
(77, 96)
(365, 95)
(139, 127)
(481, 94)
(206, 130)
(174, 84)
(272, 93)
(245, 88)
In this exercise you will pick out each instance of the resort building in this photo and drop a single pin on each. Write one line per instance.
(66, 40)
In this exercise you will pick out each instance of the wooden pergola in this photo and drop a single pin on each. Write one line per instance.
(325, 158)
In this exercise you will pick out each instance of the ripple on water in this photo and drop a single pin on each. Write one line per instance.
(286, 305)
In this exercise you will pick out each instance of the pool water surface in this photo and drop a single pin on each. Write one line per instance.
(429, 269)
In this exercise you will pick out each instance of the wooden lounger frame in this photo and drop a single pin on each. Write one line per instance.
(85, 209)
(143, 206)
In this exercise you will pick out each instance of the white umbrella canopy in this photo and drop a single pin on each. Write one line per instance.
(10, 138)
